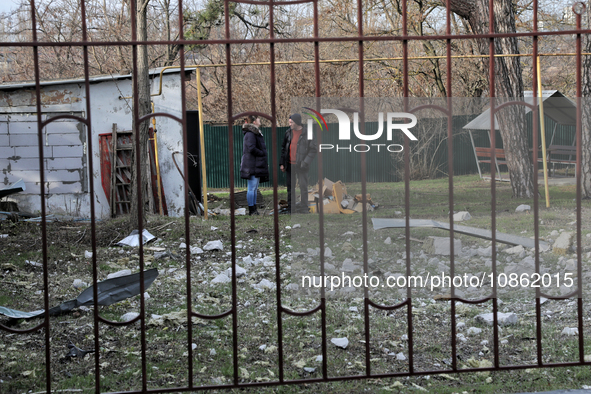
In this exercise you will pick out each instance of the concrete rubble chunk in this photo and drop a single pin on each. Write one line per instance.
(504, 319)
(388, 241)
(119, 273)
(264, 284)
(570, 331)
(485, 252)
(214, 245)
(462, 216)
(523, 208)
(196, 250)
(474, 331)
(340, 342)
(240, 272)
(515, 250)
(441, 246)
(309, 369)
(562, 244)
(349, 266)
(221, 278)
(129, 316)
(400, 357)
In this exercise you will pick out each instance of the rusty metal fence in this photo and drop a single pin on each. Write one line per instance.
(406, 306)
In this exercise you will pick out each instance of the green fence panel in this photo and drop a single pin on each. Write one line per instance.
(389, 167)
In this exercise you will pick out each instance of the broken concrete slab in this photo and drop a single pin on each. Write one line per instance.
(379, 223)
(441, 246)
(562, 244)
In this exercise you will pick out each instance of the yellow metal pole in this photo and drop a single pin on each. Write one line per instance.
(202, 143)
(543, 133)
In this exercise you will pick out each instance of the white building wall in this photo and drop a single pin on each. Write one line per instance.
(67, 166)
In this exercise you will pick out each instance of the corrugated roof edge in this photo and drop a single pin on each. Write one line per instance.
(92, 79)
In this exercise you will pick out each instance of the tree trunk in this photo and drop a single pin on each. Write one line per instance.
(508, 84)
(144, 108)
(586, 118)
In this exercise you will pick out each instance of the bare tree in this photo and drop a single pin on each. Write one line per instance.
(144, 108)
(508, 84)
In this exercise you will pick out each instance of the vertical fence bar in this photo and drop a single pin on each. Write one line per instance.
(405, 94)
(450, 171)
(491, 77)
(363, 163)
(320, 169)
(232, 215)
(535, 118)
(579, 180)
(46, 323)
(279, 306)
(190, 382)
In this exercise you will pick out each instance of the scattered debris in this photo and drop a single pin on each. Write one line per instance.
(570, 331)
(76, 352)
(129, 316)
(504, 319)
(214, 245)
(462, 216)
(523, 208)
(119, 274)
(109, 292)
(441, 246)
(134, 239)
(562, 244)
(476, 232)
(340, 342)
(221, 278)
(16, 187)
(335, 199)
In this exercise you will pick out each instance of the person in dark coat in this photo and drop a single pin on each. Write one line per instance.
(254, 165)
(297, 153)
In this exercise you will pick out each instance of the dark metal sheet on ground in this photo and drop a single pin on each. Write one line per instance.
(109, 292)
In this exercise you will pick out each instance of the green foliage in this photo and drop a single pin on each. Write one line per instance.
(201, 22)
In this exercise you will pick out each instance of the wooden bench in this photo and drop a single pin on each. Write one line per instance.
(567, 155)
(484, 155)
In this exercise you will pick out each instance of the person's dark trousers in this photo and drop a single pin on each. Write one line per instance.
(290, 189)
(303, 180)
(290, 179)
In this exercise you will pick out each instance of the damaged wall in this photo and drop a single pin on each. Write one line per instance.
(66, 161)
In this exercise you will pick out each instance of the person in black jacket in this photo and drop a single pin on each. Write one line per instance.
(297, 153)
(254, 164)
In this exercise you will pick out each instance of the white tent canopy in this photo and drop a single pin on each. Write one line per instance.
(559, 108)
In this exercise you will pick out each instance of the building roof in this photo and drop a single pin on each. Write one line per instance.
(556, 106)
(92, 79)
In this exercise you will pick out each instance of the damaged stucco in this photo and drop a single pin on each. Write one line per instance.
(65, 147)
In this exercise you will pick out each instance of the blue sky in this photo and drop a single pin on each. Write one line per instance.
(7, 5)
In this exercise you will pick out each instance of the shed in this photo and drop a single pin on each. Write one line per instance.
(557, 107)
(65, 145)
